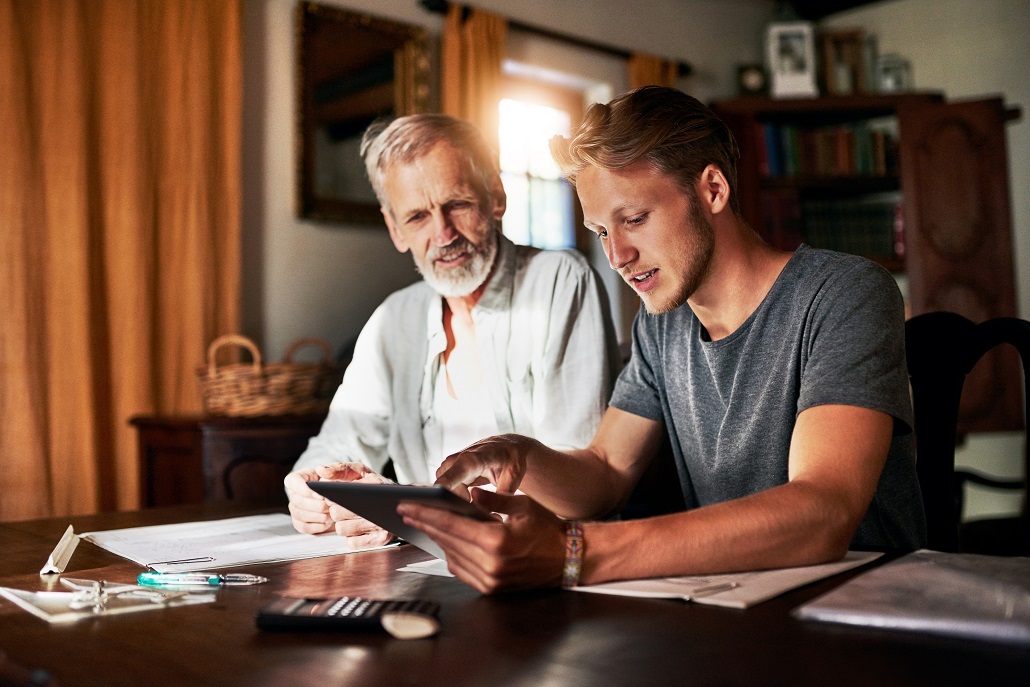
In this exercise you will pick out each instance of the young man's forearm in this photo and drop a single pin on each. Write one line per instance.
(786, 526)
(574, 485)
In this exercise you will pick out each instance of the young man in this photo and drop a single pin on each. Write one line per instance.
(496, 338)
(780, 379)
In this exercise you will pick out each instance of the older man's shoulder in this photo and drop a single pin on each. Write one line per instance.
(414, 296)
(541, 261)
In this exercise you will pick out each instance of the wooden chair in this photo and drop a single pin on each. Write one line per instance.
(942, 348)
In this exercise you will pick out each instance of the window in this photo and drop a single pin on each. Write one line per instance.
(542, 210)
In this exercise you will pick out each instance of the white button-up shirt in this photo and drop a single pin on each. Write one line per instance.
(547, 346)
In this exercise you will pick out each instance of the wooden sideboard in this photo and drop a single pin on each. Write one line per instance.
(195, 459)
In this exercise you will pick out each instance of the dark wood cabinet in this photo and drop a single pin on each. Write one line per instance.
(912, 181)
(203, 458)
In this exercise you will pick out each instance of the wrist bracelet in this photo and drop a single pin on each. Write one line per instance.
(573, 554)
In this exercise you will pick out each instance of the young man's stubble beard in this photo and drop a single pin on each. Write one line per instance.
(699, 248)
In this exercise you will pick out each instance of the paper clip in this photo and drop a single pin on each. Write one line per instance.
(184, 561)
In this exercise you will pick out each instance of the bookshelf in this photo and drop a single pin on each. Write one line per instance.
(824, 171)
(915, 182)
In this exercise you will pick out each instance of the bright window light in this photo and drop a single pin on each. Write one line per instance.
(540, 211)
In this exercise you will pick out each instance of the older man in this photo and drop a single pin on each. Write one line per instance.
(497, 338)
(779, 378)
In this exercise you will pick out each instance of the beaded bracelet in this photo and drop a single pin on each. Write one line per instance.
(573, 554)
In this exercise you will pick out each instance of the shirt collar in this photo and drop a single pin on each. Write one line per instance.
(496, 297)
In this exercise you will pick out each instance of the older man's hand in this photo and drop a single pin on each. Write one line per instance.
(313, 514)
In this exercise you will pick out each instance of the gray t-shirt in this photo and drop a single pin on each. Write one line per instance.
(830, 331)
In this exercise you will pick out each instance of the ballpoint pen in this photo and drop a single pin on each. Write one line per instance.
(206, 579)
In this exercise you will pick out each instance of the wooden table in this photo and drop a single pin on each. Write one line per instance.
(548, 638)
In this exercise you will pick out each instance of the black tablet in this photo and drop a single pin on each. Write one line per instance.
(378, 503)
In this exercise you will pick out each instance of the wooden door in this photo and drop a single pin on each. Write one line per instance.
(958, 235)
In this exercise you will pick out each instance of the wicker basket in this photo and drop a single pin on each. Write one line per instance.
(256, 388)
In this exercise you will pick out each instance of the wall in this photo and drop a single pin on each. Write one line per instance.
(968, 50)
(309, 279)
(304, 278)
(300, 278)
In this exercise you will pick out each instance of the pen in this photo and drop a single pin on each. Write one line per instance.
(207, 579)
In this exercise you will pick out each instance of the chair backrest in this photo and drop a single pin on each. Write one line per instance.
(942, 348)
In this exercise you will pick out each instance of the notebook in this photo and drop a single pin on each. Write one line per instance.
(963, 595)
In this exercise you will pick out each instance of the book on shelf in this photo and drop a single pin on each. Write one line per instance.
(781, 217)
(863, 226)
(844, 150)
(770, 161)
(871, 225)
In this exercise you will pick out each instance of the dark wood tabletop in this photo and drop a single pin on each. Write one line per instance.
(552, 638)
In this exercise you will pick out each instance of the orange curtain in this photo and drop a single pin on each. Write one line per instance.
(471, 53)
(648, 70)
(119, 233)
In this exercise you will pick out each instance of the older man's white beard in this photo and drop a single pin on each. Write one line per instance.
(460, 281)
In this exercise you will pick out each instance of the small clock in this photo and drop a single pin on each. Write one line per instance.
(751, 79)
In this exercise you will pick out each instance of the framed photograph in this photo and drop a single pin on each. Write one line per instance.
(792, 60)
(893, 74)
(843, 61)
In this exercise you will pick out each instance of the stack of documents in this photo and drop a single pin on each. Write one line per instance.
(218, 543)
(965, 595)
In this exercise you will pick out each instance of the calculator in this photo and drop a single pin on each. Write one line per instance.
(404, 619)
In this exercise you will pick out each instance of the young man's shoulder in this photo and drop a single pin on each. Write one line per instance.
(820, 269)
(832, 261)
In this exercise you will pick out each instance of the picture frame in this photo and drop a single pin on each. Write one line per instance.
(843, 52)
(351, 69)
(791, 57)
(893, 74)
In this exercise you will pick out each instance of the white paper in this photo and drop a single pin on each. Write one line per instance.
(219, 543)
(748, 588)
(434, 566)
(740, 590)
(974, 596)
(58, 560)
